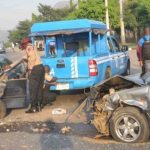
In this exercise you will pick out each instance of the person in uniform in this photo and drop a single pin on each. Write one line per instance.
(36, 75)
(143, 52)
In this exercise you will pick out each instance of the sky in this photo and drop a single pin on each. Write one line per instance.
(13, 11)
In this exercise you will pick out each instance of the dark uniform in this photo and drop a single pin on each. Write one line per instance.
(36, 74)
(36, 82)
(143, 53)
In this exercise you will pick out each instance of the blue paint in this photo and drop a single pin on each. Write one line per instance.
(76, 43)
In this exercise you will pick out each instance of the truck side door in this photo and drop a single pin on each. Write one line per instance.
(112, 55)
(119, 56)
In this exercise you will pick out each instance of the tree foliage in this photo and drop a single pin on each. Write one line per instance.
(95, 9)
(22, 30)
(137, 14)
(46, 13)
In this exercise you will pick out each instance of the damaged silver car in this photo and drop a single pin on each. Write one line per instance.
(12, 86)
(14, 91)
(122, 108)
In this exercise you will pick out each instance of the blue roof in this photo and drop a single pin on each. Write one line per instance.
(67, 25)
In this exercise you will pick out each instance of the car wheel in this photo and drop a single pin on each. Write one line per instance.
(108, 73)
(2, 109)
(129, 125)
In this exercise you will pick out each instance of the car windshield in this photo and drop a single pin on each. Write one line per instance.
(4, 63)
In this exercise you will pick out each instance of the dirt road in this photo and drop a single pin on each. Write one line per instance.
(41, 131)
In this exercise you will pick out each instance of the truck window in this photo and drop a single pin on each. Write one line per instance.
(52, 48)
(83, 45)
(116, 45)
(110, 46)
(71, 48)
(75, 48)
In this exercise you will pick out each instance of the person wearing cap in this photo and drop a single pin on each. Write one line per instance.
(143, 52)
(36, 75)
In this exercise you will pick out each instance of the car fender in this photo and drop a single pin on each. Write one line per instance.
(142, 104)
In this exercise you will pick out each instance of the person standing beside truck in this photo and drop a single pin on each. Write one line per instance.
(35, 74)
(143, 51)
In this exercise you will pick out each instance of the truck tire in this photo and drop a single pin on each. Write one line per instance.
(128, 70)
(3, 109)
(129, 125)
(108, 73)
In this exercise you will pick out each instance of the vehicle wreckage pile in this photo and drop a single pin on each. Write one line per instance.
(122, 109)
(101, 116)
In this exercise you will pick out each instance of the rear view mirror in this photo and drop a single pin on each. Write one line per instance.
(124, 48)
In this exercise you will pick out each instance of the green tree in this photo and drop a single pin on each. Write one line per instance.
(95, 9)
(114, 14)
(22, 30)
(137, 15)
(46, 13)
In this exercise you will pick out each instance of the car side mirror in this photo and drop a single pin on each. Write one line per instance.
(124, 48)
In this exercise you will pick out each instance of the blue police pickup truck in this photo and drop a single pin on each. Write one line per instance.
(80, 53)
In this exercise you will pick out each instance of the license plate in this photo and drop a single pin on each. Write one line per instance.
(62, 86)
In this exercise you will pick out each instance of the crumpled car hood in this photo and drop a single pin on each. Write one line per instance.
(137, 96)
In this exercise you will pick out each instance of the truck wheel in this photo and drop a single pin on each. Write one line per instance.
(108, 73)
(129, 125)
(2, 109)
(128, 71)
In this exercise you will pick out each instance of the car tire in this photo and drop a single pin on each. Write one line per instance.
(108, 73)
(129, 125)
(3, 109)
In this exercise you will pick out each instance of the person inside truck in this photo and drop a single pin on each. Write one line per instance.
(52, 49)
(143, 52)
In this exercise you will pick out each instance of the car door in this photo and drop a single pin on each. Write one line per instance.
(15, 95)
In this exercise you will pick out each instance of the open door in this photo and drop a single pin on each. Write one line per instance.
(15, 93)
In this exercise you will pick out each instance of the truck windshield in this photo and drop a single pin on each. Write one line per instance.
(75, 45)
(77, 48)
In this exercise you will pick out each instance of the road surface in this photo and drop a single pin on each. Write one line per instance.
(41, 131)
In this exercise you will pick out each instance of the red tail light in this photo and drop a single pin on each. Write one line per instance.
(93, 71)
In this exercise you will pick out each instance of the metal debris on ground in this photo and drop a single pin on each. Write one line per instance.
(7, 130)
(59, 111)
(65, 130)
(35, 129)
(98, 136)
(40, 130)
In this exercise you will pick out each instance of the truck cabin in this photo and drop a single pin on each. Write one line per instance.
(71, 38)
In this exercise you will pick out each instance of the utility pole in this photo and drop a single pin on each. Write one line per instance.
(122, 23)
(71, 3)
(107, 16)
